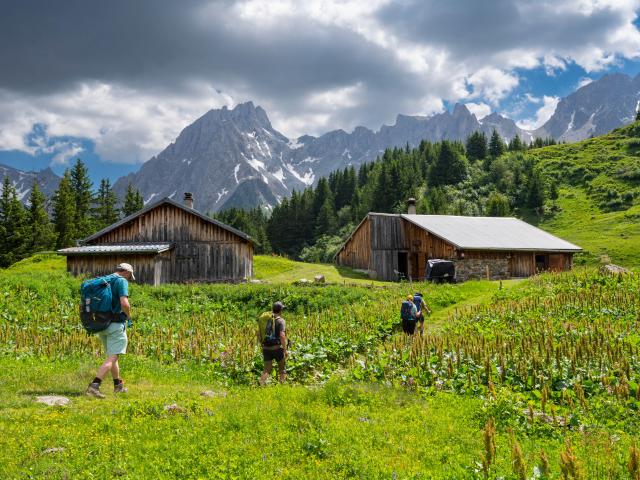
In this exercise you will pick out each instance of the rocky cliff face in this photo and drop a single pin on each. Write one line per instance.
(23, 181)
(221, 152)
(595, 109)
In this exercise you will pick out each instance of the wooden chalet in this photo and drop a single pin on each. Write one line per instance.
(166, 242)
(390, 245)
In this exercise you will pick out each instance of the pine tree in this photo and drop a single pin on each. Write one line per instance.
(82, 196)
(536, 194)
(64, 212)
(40, 230)
(326, 220)
(106, 211)
(450, 167)
(14, 241)
(638, 116)
(132, 201)
(496, 145)
(476, 146)
(515, 145)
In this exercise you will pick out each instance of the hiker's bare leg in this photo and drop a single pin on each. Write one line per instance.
(115, 369)
(106, 366)
(281, 371)
(421, 327)
(268, 367)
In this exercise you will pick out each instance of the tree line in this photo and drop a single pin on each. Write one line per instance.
(478, 177)
(75, 211)
(481, 176)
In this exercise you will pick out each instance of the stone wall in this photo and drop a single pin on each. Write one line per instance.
(472, 268)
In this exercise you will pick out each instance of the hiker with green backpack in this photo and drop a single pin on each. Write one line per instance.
(105, 311)
(272, 337)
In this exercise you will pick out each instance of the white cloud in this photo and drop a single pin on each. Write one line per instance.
(480, 110)
(492, 84)
(543, 114)
(532, 98)
(126, 125)
(314, 65)
(336, 98)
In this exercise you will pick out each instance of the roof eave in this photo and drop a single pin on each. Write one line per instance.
(170, 201)
(495, 249)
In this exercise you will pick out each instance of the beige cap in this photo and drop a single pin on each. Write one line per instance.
(126, 267)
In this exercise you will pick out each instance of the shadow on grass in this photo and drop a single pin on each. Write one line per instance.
(64, 392)
(349, 273)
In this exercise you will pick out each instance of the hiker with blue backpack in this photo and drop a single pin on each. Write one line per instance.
(409, 315)
(272, 337)
(422, 307)
(105, 311)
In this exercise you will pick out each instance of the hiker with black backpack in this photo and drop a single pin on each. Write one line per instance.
(408, 314)
(272, 337)
(105, 311)
(422, 308)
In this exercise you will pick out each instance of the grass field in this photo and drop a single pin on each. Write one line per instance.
(553, 362)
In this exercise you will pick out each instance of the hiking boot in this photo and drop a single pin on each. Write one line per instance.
(93, 390)
(120, 388)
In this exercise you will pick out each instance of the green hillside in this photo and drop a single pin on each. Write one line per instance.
(599, 202)
(520, 379)
(587, 192)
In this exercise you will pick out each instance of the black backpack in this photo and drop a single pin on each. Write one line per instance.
(272, 332)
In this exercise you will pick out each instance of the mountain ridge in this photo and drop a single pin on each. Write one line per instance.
(234, 157)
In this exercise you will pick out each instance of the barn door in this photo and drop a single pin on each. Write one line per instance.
(403, 264)
(542, 262)
(556, 262)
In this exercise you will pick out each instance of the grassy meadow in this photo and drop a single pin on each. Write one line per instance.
(521, 379)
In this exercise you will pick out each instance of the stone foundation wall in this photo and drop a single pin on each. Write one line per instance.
(474, 269)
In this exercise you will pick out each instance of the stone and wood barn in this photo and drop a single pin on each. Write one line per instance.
(166, 242)
(480, 247)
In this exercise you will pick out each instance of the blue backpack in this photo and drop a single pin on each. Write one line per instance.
(417, 300)
(96, 304)
(405, 310)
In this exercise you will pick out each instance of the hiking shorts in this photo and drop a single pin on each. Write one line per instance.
(114, 338)
(270, 355)
(409, 326)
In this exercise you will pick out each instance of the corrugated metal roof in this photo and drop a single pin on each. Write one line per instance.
(168, 200)
(490, 233)
(132, 248)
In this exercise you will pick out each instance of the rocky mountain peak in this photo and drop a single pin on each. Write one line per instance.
(234, 157)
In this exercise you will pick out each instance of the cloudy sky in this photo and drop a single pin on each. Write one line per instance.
(113, 82)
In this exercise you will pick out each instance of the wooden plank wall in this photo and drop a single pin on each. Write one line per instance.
(357, 250)
(97, 265)
(203, 252)
(424, 246)
(522, 264)
(388, 237)
(387, 232)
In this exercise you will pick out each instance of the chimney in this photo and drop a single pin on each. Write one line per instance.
(188, 199)
(411, 203)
